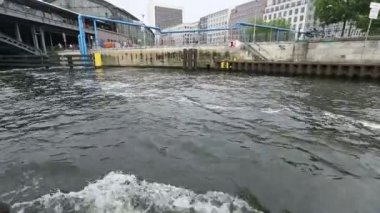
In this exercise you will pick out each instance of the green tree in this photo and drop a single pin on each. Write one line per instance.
(336, 11)
(354, 11)
(266, 32)
(362, 20)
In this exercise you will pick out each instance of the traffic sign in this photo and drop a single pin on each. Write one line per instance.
(375, 8)
(375, 5)
(374, 13)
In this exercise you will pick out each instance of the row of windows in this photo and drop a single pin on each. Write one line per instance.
(215, 15)
(290, 19)
(296, 11)
(217, 25)
(215, 20)
(284, 6)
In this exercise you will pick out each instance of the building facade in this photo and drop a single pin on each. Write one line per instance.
(181, 39)
(247, 12)
(217, 20)
(166, 17)
(102, 8)
(335, 30)
(298, 13)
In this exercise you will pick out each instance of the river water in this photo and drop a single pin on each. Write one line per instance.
(147, 140)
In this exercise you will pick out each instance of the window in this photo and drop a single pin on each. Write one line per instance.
(290, 12)
(285, 13)
(302, 9)
(275, 15)
(301, 18)
(296, 11)
(295, 19)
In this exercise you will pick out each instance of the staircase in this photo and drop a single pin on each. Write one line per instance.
(255, 53)
(9, 40)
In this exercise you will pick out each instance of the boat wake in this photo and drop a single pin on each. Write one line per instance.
(119, 193)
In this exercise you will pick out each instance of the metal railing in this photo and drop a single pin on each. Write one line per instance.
(42, 19)
(51, 61)
(11, 41)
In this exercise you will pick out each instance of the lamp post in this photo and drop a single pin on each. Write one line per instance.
(255, 22)
(143, 29)
(328, 7)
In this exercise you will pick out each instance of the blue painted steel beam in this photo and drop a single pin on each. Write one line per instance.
(195, 31)
(82, 36)
(238, 25)
(120, 22)
(262, 26)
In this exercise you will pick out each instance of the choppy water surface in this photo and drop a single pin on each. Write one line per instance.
(131, 140)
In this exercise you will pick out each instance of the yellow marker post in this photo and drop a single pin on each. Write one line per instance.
(98, 60)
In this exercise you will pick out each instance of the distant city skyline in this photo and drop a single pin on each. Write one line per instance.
(193, 10)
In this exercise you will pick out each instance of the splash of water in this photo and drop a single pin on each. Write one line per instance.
(119, 193)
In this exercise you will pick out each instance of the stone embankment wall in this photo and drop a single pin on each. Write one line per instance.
(352, 52)
(322, 51)
(169, 57)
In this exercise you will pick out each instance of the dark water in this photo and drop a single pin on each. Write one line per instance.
(298, 145)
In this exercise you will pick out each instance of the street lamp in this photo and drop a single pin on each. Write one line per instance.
(255, 22)
(143, 29)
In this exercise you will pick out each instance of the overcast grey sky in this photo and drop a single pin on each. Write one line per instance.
(193, 9)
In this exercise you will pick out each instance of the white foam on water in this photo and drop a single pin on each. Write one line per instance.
(119, 193)
(271, 111)
(368, 124)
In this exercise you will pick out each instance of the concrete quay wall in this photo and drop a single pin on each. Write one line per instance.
(168, 57)
(322, 51)
(303, 69)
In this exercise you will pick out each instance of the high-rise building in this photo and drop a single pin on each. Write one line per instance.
(298, 13)
(247, 12)
(217, 20)
(181, 39)
(203, 26)
(165, 17)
